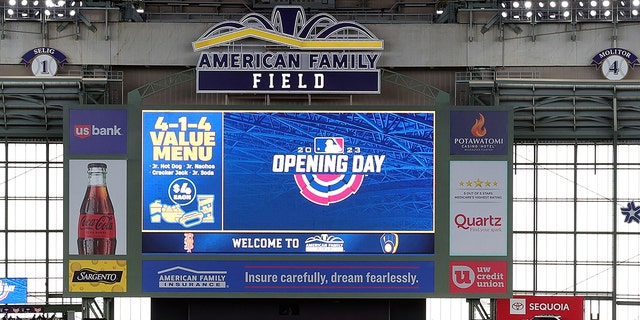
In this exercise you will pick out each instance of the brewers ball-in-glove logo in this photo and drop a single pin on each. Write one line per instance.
(328, 172)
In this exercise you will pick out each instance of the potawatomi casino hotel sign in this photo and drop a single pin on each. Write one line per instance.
(288, 54)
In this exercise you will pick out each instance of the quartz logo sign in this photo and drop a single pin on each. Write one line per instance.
(464, 222)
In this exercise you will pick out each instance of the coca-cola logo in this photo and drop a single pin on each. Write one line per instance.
(97, 222)
(464, 222)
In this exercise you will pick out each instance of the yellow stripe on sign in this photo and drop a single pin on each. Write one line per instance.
(286, 40)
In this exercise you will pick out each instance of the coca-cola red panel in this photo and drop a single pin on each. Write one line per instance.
(97, 207)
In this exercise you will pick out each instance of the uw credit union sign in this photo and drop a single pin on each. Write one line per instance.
(288, 54)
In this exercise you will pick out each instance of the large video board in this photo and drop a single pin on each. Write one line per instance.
(286, 202)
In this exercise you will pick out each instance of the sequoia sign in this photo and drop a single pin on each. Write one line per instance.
(553, 307)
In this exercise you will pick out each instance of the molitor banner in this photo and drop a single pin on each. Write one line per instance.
(542, 307)
(319, 55)
(287, 182)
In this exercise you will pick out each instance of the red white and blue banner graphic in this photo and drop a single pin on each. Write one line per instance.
(288, 182)
(13, 290)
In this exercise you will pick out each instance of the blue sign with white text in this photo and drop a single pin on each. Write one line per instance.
(287, 243)
(289, 82)
(13, 290)
(479, 133)
(182, 170)
(225, 277)
(94, 131)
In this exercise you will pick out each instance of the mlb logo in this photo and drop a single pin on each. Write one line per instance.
(328, 145)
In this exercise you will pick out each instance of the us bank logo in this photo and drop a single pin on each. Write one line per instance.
(313, 55)
(328, 172)
(95, 131)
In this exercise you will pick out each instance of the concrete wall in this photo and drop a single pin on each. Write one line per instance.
(406, 45)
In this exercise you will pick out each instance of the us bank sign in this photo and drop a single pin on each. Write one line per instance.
(288, 54)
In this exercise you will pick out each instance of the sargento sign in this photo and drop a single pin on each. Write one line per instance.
(316, 55)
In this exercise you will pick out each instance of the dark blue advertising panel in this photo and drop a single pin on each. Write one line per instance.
(479, 133)
(309, 243)
(13, 290)
(208, 277)
(94, 131)
(289, 82)
(295, 182)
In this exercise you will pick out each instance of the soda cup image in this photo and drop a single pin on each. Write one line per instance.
(97, 222)
(155, 211)
(205, 206)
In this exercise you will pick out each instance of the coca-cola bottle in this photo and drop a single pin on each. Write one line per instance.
(97, 223)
